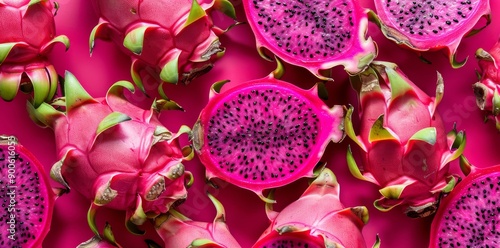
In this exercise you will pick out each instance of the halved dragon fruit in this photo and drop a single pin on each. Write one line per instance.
(28, 35)
(405, 148)
(177, 230)
(27, 197)
(114, 153)
(264, 133)
(317, 219)
(469, 215)
(177, 39)
(430, 25)
(316, 35)
(487, 89)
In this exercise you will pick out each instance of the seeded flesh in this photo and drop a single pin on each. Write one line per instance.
(265, 133)
(314, 34)
(472, 220)
(427, 18)
(271, 132)
(305, 29)
(432, 24)
(26, 200)
(289, 242)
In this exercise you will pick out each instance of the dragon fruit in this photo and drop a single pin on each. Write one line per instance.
(177, 230)
(487, 89)
(405, 149)
(264, 133)
(468, 216)
(27, 197)
(331, 224)
(176, 38)
(106, 241)
(91, 136)
(430, 25)
(28, 35)
(315, 35)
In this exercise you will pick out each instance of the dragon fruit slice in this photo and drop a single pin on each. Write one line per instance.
(316, 35)
(487, 89)
(176, 38)
(469, 215)
(404, 146)
(28, 35)
(331, 224)
(177, 230)
(264, 133)
(27, 197)
(107, 240)
(91, 137)
(430, 25)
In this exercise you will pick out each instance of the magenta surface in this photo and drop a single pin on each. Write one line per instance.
(245, 211)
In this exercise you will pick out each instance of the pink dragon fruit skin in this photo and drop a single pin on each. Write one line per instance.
(177, 230)
(405, 148)
(487, 88)
(176, 38)
(91, 136)
(329, 225)
(28, 35)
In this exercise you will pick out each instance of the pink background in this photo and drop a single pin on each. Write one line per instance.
(245, 211)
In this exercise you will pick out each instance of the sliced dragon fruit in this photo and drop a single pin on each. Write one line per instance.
(405, 148)
(317, 219)
(264, 133)
(316, 35)
(28, 35)
(430, 25)
(27, 197)
(469, 215)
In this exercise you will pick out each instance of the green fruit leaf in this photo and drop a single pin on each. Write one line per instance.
(134, 39)
(5, 49)
(378, 132)
(195, 13)
(427, 135)
(110, 121)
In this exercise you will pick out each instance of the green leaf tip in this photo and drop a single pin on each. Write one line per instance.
(74, 92)
(196, 13)
(134, 39)
(111, 120)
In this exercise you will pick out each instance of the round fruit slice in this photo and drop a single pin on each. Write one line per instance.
(316, 35)
(265, 133)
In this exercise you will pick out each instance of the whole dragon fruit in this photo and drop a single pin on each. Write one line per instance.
(430, 25)
(264, 133)
(469, 215)
(404, 146)
(316, 219)
(28, 35)
(316, 35)
(487, 89)
(177, 230)
(91, 137)
(176, 38)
